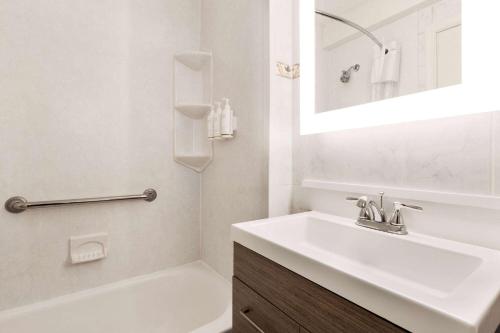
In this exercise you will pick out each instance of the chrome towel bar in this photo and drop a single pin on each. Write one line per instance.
(19, 204)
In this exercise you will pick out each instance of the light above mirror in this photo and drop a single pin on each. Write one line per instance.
(348, 81)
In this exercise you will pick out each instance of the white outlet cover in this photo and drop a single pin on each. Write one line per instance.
(88, 248)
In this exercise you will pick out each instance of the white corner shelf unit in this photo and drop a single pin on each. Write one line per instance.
(193, 89)
(193, 111)
(195, 60)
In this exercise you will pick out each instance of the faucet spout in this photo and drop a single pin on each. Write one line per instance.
(377, 213)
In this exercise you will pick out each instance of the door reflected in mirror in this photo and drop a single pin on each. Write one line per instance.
(371, 50)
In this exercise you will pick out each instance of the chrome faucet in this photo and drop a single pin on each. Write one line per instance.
(372, 215)
(369, 208)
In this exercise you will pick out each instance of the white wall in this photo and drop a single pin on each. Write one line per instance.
(234, 186)
(281, 109)
(86, 110)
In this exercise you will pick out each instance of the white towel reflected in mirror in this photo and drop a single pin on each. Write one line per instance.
(386, 71)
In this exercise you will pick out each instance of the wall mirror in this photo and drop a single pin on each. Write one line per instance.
(374, 62)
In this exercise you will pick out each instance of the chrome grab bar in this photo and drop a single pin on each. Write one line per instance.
(18, 204)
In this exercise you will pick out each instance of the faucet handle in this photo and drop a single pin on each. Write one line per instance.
(397, 218)
(361, 202)
(401, 205)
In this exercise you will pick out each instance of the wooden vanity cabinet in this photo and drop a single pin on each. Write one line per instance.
(269, 298)
(253, 312)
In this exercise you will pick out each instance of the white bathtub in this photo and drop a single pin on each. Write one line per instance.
(190, 298)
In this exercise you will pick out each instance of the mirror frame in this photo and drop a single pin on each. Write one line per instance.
(479, 92)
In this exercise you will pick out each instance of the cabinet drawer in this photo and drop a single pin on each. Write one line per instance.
(313, 307)
(252, 313)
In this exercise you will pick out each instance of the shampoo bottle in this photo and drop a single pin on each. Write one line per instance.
(210, 123)
(217, 121)
(227, 120)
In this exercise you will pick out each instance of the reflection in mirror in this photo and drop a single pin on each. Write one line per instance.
(370, 50)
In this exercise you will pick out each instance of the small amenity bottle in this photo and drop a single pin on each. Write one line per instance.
(217, 121)
(210, 123)
(227, 120)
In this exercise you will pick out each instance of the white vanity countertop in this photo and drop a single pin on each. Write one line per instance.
(421, 283)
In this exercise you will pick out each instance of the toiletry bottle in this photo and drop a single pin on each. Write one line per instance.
(227, 120)
(210, 123)
(217, 121)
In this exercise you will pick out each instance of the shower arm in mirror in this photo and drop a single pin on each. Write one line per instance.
(353, 25)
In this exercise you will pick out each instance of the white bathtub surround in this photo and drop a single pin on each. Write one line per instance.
(86, 110)
(189, 298)
(234, 186)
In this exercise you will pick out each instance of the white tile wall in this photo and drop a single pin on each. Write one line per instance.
(451, 154)
(85, 110)
(234, 186)
(455, 155)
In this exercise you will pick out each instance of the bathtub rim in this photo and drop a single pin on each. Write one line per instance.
(10, 314)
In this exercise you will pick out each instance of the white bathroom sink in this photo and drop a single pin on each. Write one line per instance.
(421, 283)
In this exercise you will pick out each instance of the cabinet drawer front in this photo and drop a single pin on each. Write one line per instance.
(310, 305)
(252, 313)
